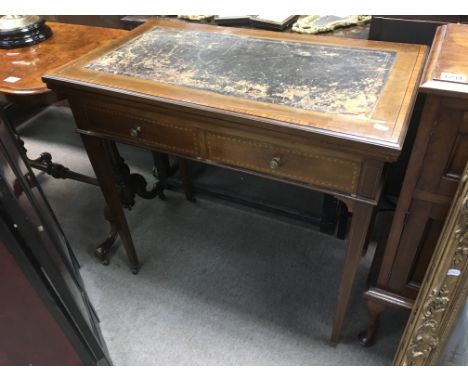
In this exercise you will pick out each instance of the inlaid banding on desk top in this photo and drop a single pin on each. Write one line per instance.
(314, 77)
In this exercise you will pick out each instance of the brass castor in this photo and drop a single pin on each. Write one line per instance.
(365, 339)
(105, 262)
(101, 254)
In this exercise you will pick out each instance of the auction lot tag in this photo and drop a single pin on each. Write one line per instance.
(452, 77)
(11, 79)
(454, 272)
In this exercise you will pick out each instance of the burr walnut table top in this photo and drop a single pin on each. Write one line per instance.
(360, 91)
(21, 69)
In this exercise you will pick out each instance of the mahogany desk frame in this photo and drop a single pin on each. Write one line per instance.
(198, 125)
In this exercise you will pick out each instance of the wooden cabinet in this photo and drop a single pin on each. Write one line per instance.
(436, 164)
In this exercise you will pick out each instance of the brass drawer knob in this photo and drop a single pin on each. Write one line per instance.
(135, 131)
(275, 163)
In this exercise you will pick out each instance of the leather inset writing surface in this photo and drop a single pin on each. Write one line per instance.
(314, 77)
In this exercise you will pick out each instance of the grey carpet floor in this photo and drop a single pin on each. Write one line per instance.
(219, 285)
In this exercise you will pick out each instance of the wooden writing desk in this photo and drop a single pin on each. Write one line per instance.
(323, 113)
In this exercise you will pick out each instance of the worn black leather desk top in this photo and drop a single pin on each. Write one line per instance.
(314, 77)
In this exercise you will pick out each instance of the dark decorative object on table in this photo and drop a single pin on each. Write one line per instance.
(232, 20)
(18, 31)
(272, 22)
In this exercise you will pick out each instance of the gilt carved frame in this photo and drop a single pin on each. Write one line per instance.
(444, 290)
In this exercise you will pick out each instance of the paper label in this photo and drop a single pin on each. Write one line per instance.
(454, 272)
(11, 79)
(452, 77)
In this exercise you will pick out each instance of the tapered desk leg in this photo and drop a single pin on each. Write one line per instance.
(362, 214)
(98, 153)
(186, 182)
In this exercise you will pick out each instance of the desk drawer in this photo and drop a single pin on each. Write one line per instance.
(314, 166)
(143, 127)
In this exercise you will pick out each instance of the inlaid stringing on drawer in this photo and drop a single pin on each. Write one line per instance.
(318, 168)
(160, 131)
